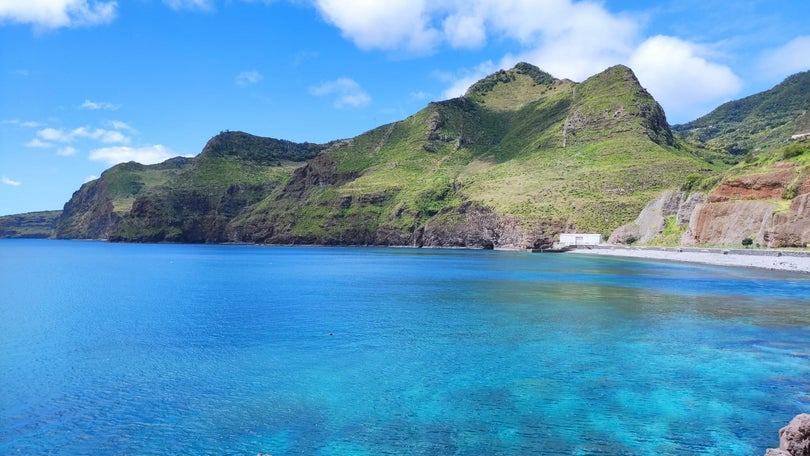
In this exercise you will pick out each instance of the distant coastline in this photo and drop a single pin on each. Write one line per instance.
(777, 260)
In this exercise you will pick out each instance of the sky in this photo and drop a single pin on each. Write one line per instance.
(86, 84)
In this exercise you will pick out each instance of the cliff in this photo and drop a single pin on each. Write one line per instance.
(766, 200)
(29, 225)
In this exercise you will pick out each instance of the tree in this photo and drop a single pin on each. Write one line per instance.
(747, 242)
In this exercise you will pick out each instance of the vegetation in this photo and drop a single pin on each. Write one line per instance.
(520, 144)
(754, 124)
(29, 225)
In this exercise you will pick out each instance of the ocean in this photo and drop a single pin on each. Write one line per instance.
(224, 349)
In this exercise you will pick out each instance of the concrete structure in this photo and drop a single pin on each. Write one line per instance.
(798, 137)
(580, 239)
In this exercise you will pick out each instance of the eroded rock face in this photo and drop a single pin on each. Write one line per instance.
(728, 223)
(474, 225)
(794, 439)
(791, 229)
(753, 206)
(652, 219)
(89, 214)
(763, 186)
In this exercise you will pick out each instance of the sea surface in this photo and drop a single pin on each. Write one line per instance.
(198, 349)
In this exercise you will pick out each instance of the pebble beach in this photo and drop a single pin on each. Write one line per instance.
(797, 261)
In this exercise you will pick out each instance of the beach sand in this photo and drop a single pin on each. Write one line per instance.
(773, 260)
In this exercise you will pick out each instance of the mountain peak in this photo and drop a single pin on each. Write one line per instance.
(507, 90)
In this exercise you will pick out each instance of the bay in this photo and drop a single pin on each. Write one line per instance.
(199, 349)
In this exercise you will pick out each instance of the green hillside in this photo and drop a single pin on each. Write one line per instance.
(182, 200)
(29, 225)
(520, 158)
(760, 122)
(522, 147)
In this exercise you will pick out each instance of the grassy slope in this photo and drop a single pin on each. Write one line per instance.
(29, 225)
(756, 123)
(501, 145)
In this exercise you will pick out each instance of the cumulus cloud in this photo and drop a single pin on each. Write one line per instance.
(787, 59)
(567, 38)
(465, 30)
(246, 78)
(96, 105)
(10, 182)
(54, 14)
(347, 93)
(683, 81)
(90, 178)
(146, 155)
(391, 25)
(38, 143)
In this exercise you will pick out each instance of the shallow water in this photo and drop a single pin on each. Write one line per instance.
(159, 349)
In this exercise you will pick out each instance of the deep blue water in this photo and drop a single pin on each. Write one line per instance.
(178, 349)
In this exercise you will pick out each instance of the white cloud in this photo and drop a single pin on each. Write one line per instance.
(348, 93)
(37, 143)
(785, 60)
(390, 24)
(246, 78)
(10, 182)
(147, 155)
(98, 134)
(464, 30)
(683, 81)
(96, 105)
(200, 5)
(118, 125)
(52, 134)
(90, 178)
(21, 123)
(53, 14)
(66, 151)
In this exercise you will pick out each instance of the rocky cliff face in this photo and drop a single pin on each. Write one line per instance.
(89, 214)
(772, 208)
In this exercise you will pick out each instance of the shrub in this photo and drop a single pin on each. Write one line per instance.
(747, 242)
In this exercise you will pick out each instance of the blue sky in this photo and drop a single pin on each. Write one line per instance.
(85, 84)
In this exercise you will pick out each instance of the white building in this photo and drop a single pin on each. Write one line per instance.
(580, 239)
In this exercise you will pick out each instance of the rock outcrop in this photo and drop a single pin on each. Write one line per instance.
(651, 222)
(794, 439)
(89, 214)
(754, 206)
(772, 208)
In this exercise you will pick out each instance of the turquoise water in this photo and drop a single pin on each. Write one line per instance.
(177, 349)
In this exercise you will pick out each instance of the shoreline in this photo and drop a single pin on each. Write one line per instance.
(774, 260)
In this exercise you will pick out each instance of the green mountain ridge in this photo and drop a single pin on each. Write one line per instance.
(521, 157)
(759, 122)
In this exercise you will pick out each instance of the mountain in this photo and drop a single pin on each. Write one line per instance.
(765, 197)
(182, 200)
(759, 122)
(521, 157)
(30, 225)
